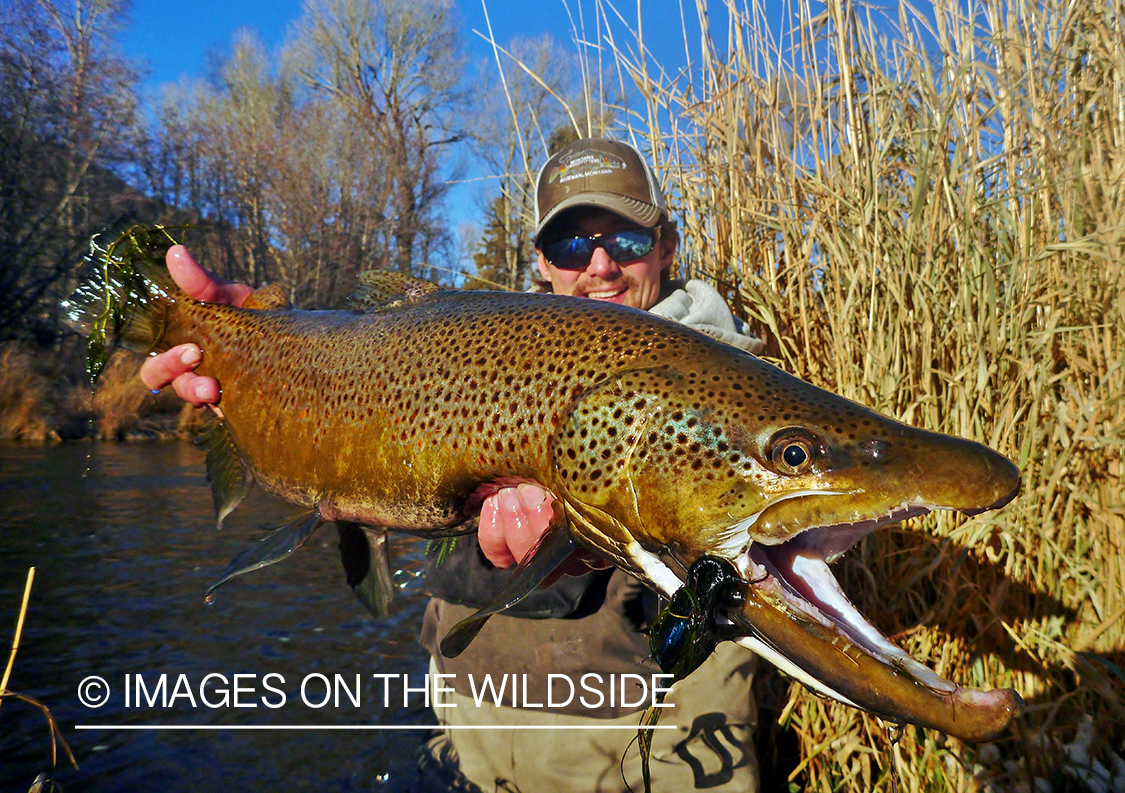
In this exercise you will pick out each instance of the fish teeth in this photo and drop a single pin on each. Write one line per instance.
(735, 539)
(818, 594)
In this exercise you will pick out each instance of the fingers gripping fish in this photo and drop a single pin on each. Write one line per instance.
(661, 444)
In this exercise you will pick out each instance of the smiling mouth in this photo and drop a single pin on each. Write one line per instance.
(606, 294)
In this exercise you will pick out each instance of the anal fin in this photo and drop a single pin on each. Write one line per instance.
(367, 565)
(553, 548)
(277, 546)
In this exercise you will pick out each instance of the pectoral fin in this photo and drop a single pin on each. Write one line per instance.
(553, 548)
(365, 554)
(227, 472)
(277, 546)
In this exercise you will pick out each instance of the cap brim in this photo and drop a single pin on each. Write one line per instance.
(640, 212)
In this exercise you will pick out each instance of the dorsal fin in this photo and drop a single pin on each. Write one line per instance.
(268, 298)
(388, 289)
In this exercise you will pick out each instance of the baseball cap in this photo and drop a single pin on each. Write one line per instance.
(598, 172)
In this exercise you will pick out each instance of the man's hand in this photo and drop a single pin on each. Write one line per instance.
(176, 366)
(513, 519)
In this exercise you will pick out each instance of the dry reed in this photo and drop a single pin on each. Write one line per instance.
(926, 213)
(24, 396)
(43, 781)
(44, 397)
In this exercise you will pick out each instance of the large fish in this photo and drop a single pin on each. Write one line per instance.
(661, 445)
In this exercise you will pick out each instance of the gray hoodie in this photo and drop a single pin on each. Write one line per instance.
(699, 306)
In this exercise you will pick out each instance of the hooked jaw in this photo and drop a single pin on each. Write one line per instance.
(781, 501)
(797, 616)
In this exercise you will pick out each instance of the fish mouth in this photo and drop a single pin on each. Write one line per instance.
(801, 620)
(797, 570)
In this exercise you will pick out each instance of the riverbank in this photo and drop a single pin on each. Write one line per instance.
(46, 398)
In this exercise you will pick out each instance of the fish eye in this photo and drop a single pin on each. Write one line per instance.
(792, 453)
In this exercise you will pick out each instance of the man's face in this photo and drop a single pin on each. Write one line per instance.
(635, 283)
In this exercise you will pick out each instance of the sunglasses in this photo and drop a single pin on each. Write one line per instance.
(574, 253)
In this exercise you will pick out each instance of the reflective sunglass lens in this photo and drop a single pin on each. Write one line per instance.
(573, 253)
(627, 246)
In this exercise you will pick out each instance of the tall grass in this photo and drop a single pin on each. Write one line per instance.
(926, 212)
(24, 411)
(44, 396)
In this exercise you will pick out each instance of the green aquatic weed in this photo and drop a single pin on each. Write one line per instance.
(107, 297)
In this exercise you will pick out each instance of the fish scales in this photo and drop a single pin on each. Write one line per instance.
(380, 413)
(394, 418)
(661, 444)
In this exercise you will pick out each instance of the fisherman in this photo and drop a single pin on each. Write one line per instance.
(603, 232)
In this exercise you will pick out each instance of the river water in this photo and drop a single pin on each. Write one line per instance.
(124, 543)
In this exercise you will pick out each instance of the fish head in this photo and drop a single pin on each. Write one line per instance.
(842, 472)
(709, 460)
(727, 456)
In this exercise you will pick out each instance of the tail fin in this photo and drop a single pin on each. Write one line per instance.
(124, 294)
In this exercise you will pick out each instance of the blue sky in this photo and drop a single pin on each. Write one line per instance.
(172, 38)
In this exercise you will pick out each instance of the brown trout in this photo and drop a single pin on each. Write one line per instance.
(661, 445)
